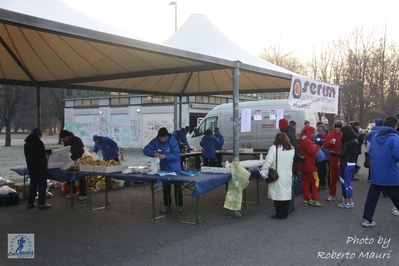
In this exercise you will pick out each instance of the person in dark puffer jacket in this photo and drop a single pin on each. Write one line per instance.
(36, 160)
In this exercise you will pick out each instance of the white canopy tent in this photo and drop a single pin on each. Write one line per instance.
(39, 52)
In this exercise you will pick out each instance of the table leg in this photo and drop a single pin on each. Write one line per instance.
(152, 201)
(198, 219)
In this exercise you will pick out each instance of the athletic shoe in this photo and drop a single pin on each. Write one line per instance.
(350, 205)
(366, 223)
(315, 203)
(165, 210)
(82, 198)
(331, 198)
(342, 205)
(74, 195)
(305, 202)
(395, 212)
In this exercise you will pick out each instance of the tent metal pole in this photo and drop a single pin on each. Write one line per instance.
(236, 121)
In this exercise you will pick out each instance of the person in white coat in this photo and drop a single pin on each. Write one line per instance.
(279, 191)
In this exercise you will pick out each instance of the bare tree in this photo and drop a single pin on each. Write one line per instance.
(12, 102)
(276, 55)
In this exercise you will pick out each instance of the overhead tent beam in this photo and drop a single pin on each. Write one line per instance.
(139, 74)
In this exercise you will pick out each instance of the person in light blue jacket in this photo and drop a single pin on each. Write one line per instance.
(110, 149)
(384, 155)
(166, 148)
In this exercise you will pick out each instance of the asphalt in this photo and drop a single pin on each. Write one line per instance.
(124, 234)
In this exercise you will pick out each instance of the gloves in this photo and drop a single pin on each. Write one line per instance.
(262, 174)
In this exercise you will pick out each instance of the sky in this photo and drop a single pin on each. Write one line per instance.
(297, 26)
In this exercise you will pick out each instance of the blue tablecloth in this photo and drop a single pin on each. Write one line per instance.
(204, 182)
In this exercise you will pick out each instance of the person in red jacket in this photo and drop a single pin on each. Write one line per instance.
(310, 178)
(333, 142)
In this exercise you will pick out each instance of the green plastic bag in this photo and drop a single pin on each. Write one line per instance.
(238, 182)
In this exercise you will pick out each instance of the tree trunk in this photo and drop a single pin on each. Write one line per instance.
(8, 134)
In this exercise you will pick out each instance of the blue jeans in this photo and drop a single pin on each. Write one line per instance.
(373, 196)
(38, 182)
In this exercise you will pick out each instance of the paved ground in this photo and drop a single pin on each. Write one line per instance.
(123, 234)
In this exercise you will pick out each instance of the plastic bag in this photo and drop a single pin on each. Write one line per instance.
(239, 181)
(154, 166)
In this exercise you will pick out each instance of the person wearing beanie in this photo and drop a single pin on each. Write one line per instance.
(220, 137)
(69, 139)
(110, 149)
(332, 142)
(283, 123)
(37, 132)
(287, 128)
(360, 138)
(310, 178)
(36, 161)
(166, 148)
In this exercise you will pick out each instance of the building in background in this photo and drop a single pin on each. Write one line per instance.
(132, 120)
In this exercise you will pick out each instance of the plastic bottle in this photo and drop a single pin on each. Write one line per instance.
(227, 164)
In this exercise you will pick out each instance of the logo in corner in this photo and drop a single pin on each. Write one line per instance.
(21, 246)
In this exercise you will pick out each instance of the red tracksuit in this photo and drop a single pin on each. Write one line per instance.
(334, 161)
(308, 169)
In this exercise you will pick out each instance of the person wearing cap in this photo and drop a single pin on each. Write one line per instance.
(36, 160)
(167, 150)
(287, 128)
(332, 142)
(180, 136)
(220, 137)
(69, 139)
(108, 146)
(208, 144)
(310, 178)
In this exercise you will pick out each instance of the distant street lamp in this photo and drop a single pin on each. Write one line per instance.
(175, 98)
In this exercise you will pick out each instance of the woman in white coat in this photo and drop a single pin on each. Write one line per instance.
(280, 191)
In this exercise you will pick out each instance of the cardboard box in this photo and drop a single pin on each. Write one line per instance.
(59, 157)
(111, 184)
(20, 188)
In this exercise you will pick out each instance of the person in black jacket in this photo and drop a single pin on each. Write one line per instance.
(360, 138)
(36, 160)
(347, 164)
(69, 139)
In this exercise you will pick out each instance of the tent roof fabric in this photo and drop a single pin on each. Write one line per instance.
(35, 51)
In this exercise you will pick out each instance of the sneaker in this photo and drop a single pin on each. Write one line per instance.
(342, 205)
(350, 205)
(395, 212)
(305, 202)
(315, 203)
(331, 198)
(165, 210)
(82, 198)
(74, 195)
(366, 223)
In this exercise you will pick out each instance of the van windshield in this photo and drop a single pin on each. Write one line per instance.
(208, 123)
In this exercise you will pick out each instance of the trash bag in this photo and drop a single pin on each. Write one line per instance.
(239, 181)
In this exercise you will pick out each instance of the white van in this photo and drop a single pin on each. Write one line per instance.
(262, 132)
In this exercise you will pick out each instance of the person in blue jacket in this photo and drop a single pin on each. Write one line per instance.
(322, 162)
(208, 144)
(384, 155)
(180, 136)
(166, 148)
(108, 146)
(220, 137)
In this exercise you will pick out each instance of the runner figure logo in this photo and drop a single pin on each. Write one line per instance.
(21, 246)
